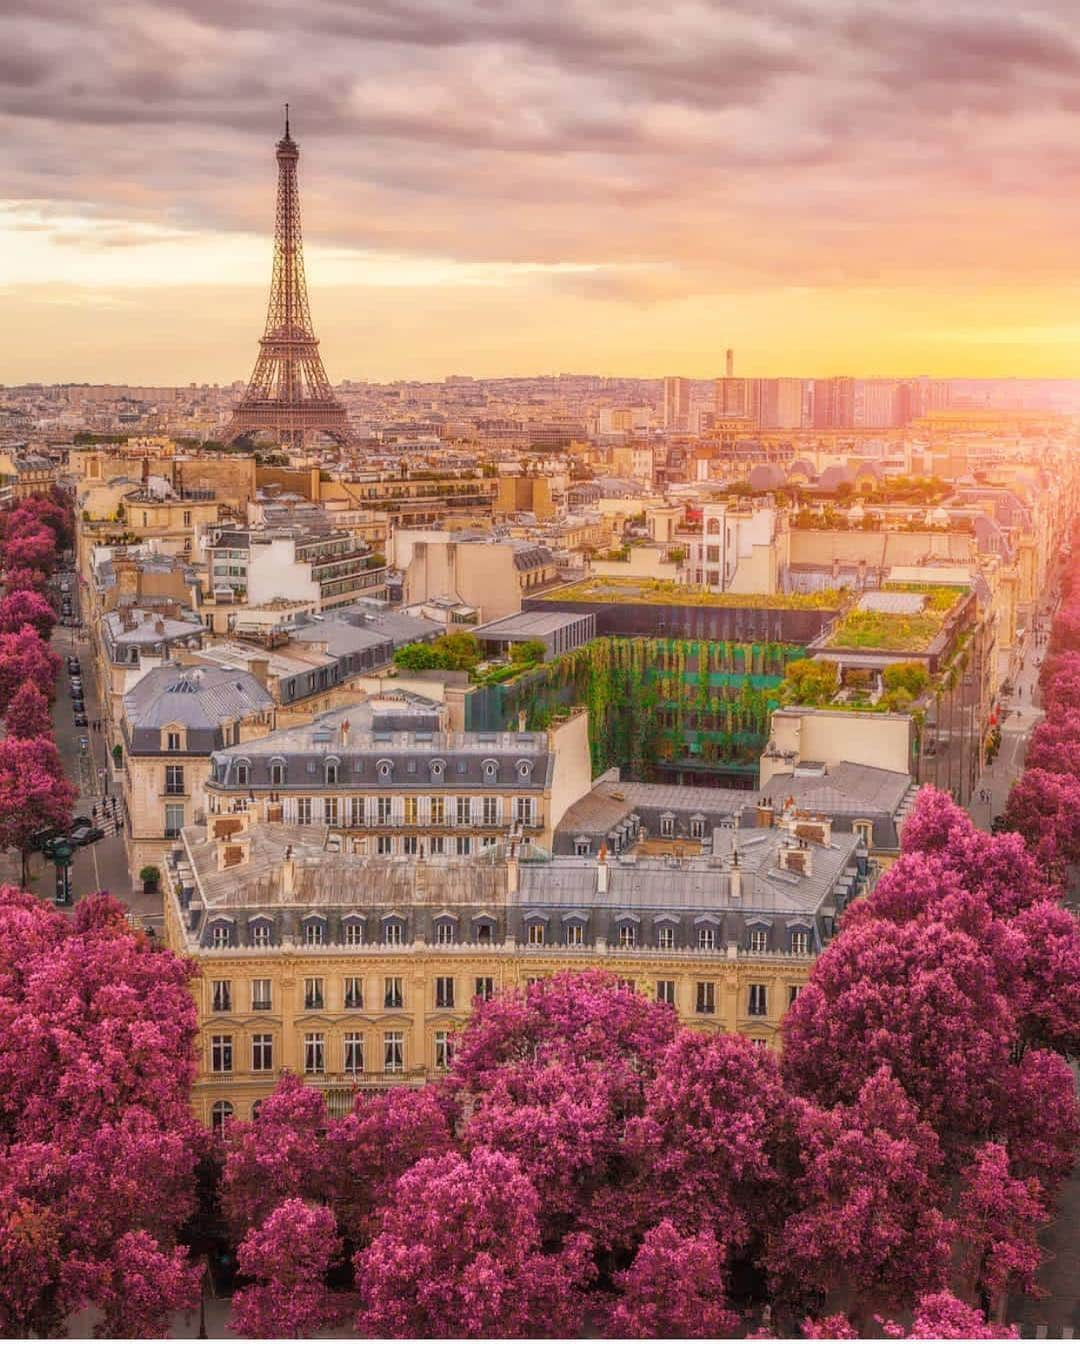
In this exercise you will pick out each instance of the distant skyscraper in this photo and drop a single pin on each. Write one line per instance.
(834, 403)
(781, 404)
(738, 398)
(289, 393)
(676, 402)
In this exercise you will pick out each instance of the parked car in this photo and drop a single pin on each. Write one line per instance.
(80, 719)
(78, 707)
(74, 665)
(82, 822)
(84, 835)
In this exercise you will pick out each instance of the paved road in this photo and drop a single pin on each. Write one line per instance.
(102, 866)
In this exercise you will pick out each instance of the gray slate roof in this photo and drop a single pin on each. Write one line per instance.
(198, 697)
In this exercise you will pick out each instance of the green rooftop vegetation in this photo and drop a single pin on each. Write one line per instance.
(871, 630)
(635, 590)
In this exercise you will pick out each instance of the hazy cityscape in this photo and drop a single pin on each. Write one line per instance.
(556, 855)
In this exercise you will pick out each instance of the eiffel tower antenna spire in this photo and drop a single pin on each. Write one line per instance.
(289, 394)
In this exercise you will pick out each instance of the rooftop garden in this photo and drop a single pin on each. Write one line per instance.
(872, 630)
(635, 590)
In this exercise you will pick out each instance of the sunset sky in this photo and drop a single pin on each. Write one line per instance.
(615, 186)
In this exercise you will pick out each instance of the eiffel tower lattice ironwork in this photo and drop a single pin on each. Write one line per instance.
(289, 393)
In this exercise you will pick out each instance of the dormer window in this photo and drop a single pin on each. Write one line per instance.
(490, 769)
(332, 773)
(385, 769)
(524, 769)
(277, 773)
(438, 768)
(172, 741)
(243, 773)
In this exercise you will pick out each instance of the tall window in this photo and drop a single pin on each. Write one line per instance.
(485, 987)
(241, 775)
(262, 1053)
(792, 993)
(220, 937)
(260, 995)
(277, 775)
(667, 826)
(221, 1053)
(384, 809)
(393, 1051)
(463, 810)
(706, 939)
(356, 812)
(800, 943)
(330, 810)
(437, 807)
(410, 845)
(436, 845)
(665, 991)
(354, 1052)
(536, 934)
(354, 934)
(463, 845)
(523, 810)
(384, 845)
(331, 774)
(314, 1052)
(627, 935)
(222, 995)
(354, 991)
(313, 934)
(706, 998)
(220, 1114)
(444, 1050)
(575, 934)
(172, 741)
(174, 779)
(412, 813)
(444, 933)
(759, 940)
(444, 991)
(313, 994)
(303, 810)
(395, 934)
(758, 1004)
(491, 810)
(393, 992)
(174, 821)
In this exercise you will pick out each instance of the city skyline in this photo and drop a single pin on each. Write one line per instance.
(498, 193)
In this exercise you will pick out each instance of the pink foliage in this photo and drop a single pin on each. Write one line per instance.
(867, 1218)
(24, 578)
(672, 1290)
(940, 1316)
(459, 1255)
(34, 550)
(19, 608)
(923, 1000)
(1055, 742)
(99, 1147)
(705, 1143)
(997, 1219)
(279, 1156)
(28, 713)
(1045, 808)
(24, 656)
(34, 794)
(1049, 997)
(288, 1257)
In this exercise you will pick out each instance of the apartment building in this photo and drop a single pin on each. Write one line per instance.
(320, 569)
(388, 779)
(172, 721)
(356, 972)
(743, 549)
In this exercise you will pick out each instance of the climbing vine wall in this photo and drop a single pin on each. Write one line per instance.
(651, 700)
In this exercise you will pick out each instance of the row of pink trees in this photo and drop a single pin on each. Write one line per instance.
(589, 1166)
(1044, 804)
(34, 793)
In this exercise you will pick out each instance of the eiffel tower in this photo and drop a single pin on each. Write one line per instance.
(288, 394)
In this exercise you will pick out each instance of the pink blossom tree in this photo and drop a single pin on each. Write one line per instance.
(99, 1145)
(866, 1230)
(921, 999)
(35, 551)
(24, 578)
(672, 1290)
(941, 1316)
(1060, 679)
(27, 714)
(24, 656)
(1055, 742)
(998, 1216)
(1045, 808)
(706, 1145)
(20, 608)
(288, 1258)
(34, 794)
(459, 1255)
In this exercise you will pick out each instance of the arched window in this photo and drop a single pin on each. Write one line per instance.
(242, 772)
(220, 1113)
(332, 773)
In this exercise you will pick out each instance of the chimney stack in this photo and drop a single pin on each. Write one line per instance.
(602, 871)
(736, 876)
